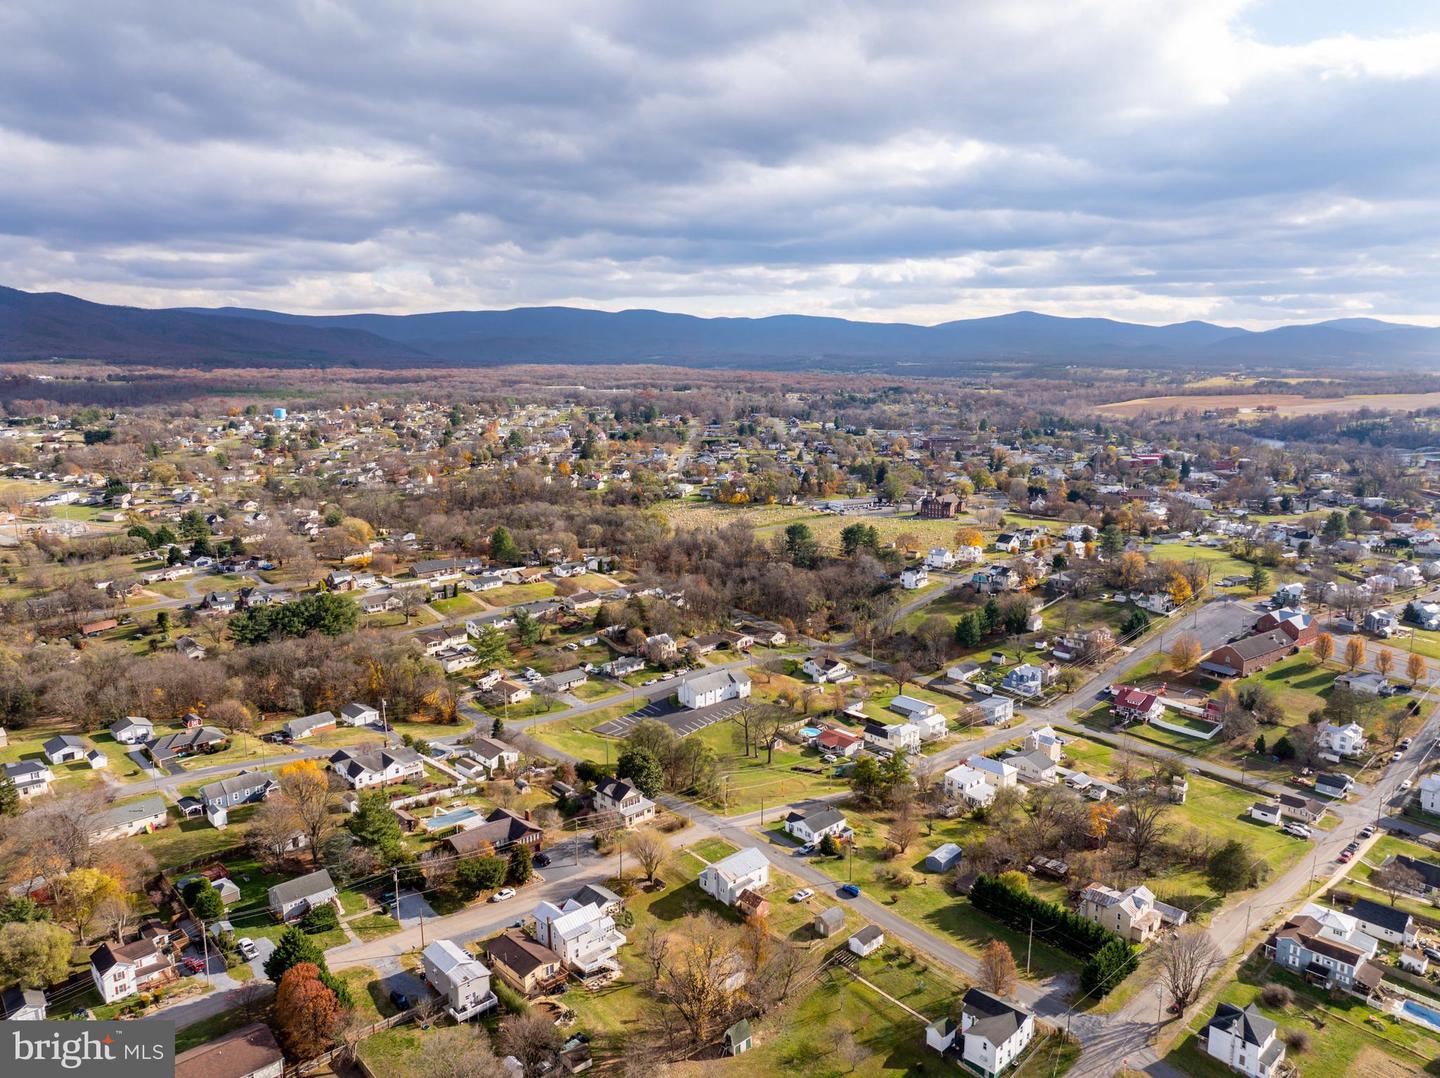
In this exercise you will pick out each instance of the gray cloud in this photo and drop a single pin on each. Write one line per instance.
(1151, 160)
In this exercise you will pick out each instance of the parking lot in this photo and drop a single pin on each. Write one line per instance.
(682, 720)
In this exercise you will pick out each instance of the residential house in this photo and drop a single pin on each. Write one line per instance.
(812, 825)
(708, 688)
(1327, 948)
(1333, 785)
(495, 755)
(993, 1033)
(123, 969)
(1046, 742)
(1298, 807)
(31, 778)
(295, 898)
(1244, 1040)
(924, 715)
(584, 937)
(248, 787)
(306, 726)
(1136, 705)
(1367, 682)
(23, 1004)
(994, 710)
(998, 773)
(893, 737)
(1346, 740)
(1430, 793)
(1384, 922)
(1024, 680)
(511, 692)
(966, 783)
(529, 967)
(188, 742)
(1382, 623)
(914, 577)
(838, 742)
(826, 669)
(501, 830)
(661, 648)
(625, 664)
(141, 817)
(939, 557)
(64, 749)
(619, 796)
(248, 1052)
(1249, 655)
(1035, 767)
(363, 768)
(744, 870)
(132, 730)
(459, 977)
(1134, 914)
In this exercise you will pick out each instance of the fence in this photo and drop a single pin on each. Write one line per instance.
(1186, 731)
(293, 1070)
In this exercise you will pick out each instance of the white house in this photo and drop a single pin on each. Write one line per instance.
(894, 737)
(1036, 767)
(814, 824)
(1045, 741)
(584, 936)
(714, 687)
(297, 897)
(997, 773)
(461, 978)
(1347, 740)
(744, 870)
(914, 577)
(994, 710)
(494, 755)
(823, 669)
(1385, 922)
(1430, 793)
(966, 783)
(938, 557)
(993, 1033)
(924, 715)
(1244, 1040)
(31, 778)
(121, 970)
(364, 768)
(617, 795)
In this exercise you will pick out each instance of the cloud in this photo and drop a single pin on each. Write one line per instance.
(1149, 159)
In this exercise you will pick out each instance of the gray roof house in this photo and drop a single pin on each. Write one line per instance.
(295, 898)
(64, 748)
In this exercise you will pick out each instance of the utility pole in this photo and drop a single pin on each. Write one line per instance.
(1029, 943)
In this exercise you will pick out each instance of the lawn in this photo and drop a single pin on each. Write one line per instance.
(208, 1029)
(183, 842)
(712, 849)
(573, 735)
(373, 926)
(512, 594)
(1357, 879)
(372, 1002)
(596, 689)
(1352, 1041)
(458, 606)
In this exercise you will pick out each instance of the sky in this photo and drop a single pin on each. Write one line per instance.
(1152, 160)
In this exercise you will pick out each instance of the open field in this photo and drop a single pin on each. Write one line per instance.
(1287, 404)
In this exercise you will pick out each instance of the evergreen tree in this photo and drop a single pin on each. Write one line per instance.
(521, 866)
(642, 769)
(293, 948)
(502, 547)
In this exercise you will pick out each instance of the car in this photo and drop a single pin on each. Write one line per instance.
(1396, 755)
(807, 849)
(400, 999)
(541, 860)
(1367, 830)
(1299, 830)
(829, 758)
(1407, 784)
(1432, 952)
(503, 894)
(247, 947)
(1405, 743)
(850, 890)
(802, 894)
(193, 965)
(1345, 856)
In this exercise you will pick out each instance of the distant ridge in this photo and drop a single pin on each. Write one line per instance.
(38, 326)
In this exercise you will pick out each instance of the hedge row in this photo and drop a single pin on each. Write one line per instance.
(1018, 908)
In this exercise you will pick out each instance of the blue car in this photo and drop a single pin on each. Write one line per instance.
(850, 890)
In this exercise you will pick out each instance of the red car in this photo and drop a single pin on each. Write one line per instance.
(1345, 855)
(194, 965)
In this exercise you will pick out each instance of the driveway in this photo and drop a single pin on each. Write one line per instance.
(412, 908)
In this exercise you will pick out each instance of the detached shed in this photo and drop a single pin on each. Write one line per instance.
(828, 922)
(943, 858)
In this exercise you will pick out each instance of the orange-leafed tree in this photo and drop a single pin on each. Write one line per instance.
(307, 1012)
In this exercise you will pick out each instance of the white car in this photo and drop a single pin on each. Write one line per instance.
(502, 894)
(247, 947)
(1407, 784)
(1299, 830)
(802, 894)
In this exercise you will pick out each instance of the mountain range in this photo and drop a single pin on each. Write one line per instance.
(49, 325)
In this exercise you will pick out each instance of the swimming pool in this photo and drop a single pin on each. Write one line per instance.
(1418, 1012)
(447, 820)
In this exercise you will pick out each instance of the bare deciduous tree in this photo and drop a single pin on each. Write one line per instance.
(1184, 961)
